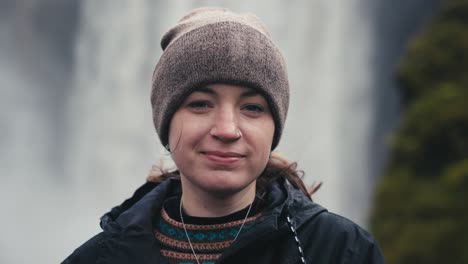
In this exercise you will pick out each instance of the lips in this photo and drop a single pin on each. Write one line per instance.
(223, 158)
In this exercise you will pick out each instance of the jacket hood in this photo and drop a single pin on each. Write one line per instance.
(136, 214)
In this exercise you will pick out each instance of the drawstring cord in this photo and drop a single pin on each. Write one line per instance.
(296, 238)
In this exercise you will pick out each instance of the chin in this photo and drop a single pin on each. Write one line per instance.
(223, 187)
(225, 192)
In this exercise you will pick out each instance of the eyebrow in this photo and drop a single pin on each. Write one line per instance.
(208, 90)
(250, 93)
(205, 89)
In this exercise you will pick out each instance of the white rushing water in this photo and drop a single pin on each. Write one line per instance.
(110, 140)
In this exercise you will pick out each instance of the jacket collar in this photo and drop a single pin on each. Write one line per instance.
(136, 214)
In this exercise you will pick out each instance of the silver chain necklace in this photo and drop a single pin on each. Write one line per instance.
(188, 238)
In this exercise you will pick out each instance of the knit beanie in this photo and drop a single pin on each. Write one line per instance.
(215, 45)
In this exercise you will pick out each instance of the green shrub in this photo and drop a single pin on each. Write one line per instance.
(421, 210)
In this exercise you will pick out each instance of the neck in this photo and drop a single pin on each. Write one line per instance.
(200, 204)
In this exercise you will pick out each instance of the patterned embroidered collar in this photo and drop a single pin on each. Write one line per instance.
(210, 236)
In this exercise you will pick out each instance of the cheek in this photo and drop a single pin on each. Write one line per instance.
(175, 131)
(260, 137)
(265, 133)
(185, 131)
(261, 142)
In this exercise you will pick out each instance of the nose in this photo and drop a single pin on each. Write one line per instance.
(225, 126)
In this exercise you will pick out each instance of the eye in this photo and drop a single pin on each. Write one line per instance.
(199, 105)
(254, 108)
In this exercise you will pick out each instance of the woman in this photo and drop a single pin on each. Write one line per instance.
(220, 96)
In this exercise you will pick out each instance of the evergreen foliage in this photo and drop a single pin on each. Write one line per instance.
(421, 209)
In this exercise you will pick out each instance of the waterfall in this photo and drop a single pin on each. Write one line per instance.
(81, 141)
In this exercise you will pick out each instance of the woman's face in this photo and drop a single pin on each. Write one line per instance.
(221, 138)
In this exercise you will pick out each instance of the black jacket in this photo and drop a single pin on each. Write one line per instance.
(325, 237)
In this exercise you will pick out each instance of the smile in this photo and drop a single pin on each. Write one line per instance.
(226, 158)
